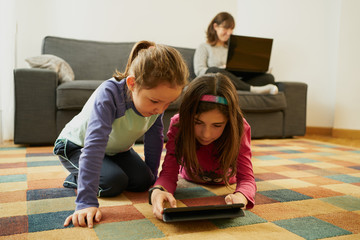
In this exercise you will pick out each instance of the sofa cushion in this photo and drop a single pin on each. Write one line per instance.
(73, 95)
(250, 102)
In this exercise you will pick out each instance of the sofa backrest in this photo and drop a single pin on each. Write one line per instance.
(95, 60)
(188, 55)
(90, 60)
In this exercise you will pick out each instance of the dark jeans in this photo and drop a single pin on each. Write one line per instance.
(123, 171)
(243, 80)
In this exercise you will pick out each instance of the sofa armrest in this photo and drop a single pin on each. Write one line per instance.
(295, 113)
(35, 106)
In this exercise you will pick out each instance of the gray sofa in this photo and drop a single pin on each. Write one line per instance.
(43, 106)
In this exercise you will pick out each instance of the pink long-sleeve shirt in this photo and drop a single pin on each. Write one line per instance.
(244, 178)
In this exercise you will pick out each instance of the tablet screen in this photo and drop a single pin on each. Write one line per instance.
(203, 212)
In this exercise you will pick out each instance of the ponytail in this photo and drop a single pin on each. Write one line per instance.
(153, 64)
(133, 54)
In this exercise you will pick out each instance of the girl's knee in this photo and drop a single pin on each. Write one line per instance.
(141, 182)
(269, 78)
(112, 186)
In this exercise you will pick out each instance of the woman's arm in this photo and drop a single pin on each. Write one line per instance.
(200, 60)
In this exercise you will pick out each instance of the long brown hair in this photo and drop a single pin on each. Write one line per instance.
(223, 18)
(153, 64)
(228, 144)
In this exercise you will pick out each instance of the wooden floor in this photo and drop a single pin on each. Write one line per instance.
(350, 142)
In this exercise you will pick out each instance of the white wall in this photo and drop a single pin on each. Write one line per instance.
(313, 40)
(305, 45)
(179, 23)
(347, 108)
(7, 64)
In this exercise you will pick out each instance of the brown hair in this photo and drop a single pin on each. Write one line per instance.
(225, 19)
(153, 64)
(228, 144)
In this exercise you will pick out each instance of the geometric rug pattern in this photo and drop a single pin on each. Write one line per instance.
(305, 190)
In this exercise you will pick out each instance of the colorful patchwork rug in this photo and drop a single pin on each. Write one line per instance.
(306, 190)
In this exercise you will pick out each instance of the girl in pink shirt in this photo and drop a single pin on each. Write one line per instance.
(208, 142)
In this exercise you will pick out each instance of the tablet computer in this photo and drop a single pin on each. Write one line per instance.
(203, 212)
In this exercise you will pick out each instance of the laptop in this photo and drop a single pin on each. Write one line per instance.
(248, 54)
(203, 212)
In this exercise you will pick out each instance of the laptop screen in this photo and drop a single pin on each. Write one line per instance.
(248, 54)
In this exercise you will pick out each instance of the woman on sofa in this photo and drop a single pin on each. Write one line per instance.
(210, 57)
(96, 145)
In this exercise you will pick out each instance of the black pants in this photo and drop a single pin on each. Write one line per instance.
(243, 80)
(123, 171)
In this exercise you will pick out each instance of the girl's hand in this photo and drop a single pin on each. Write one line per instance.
(158, 198)
(84, 217)
(236, 198)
